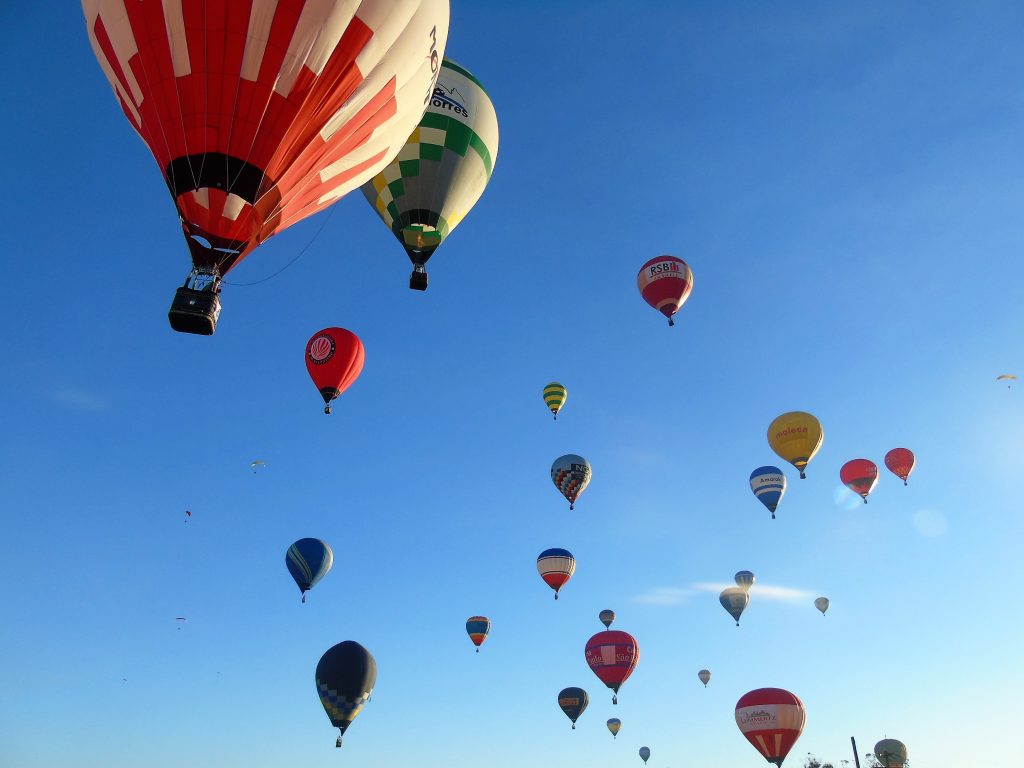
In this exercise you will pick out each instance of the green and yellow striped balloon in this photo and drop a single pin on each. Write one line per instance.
(554, 397)
(442, 170)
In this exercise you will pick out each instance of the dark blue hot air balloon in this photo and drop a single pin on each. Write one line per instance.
(573, 701)
(308, 561)
(345, 678)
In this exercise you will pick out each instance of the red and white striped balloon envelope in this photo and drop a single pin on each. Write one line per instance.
(772, 719)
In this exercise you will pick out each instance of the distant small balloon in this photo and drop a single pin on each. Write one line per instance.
(665, 283)
(796, 437)
(769, 486)
(571, 475)
(734, 600)
(607, 617)
(573, 701)
(860, 476)
(478, 627)
(554, 397)
(821, 603)
(704, 676)
(556, 566)
(900, 461)
(614, 725)
(645, 754)
(744, 580)
(891, 753)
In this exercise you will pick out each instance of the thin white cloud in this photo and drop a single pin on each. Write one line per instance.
(679, 595)
(930, 523)
(78, 399)
(664, 596)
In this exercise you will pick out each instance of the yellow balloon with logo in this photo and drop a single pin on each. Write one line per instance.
(796, 436)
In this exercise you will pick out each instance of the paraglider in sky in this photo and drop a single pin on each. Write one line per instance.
(308, 561)
(188, 514)
(180, 620)
(607, 616)
(860, 476)
(821, 603)
(345, 678)
(645, 754)
(796, 436)
(556, 567)
(1006, 377)
(292, 110)
(573, 701)
(665, 283)
(571, 476)
(704, 676)
(554, 397)
(477, 628)
(255, 465)
(769, 486)
(900, 461)
(442, 170)
(772, 720)
(891, 753)
(334, 359)
(613, 656)
(614, 725)
(744, 580)
(734, 600)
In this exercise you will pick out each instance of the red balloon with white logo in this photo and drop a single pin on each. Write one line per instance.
(860, 476)
(612, 655)
(772, 719)
(665, 283)
(900, 461)
(334, 359)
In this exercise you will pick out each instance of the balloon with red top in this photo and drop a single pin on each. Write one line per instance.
(613, 656)
(860, 476)
(665, 283)
(334, 359)
(772, 719)
(900, 461)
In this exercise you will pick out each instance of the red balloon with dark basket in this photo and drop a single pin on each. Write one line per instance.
(900, 461)
(334, 359)
(612, 655)
(860, 476)
(665, 283)
(771, 719)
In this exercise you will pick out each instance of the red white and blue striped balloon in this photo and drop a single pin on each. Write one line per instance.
(556, 567)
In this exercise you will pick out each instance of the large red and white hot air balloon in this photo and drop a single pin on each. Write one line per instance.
(612, 655)
(260, 113)
(772, 719)
(860, 476)
(665, 283)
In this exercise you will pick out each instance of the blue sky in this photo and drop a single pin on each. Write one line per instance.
(844, 179)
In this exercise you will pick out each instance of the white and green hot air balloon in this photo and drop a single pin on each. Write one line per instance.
(442, 170)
